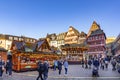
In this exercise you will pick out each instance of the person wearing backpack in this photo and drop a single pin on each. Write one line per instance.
(40, 70)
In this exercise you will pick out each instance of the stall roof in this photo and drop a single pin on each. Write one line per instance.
(19, 45)
(3, 49)
(30, 47)
(39, 43)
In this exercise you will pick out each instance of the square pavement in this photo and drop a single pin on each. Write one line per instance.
(75, 72)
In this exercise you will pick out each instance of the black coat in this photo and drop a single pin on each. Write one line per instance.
(46, 68)
(9, 65)
(59, 65)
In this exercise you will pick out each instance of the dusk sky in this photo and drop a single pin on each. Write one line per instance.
(36, 18)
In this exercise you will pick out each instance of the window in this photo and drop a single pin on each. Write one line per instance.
(34, 40)
(20, 39)
(102, 37)
(90, 39)
(15, 38)
(28, 40)
(10, 38)
(96, 37)
(31, 40)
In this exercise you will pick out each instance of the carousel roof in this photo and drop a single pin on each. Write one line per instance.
(74, 46)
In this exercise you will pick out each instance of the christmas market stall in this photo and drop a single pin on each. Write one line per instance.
(25, 56)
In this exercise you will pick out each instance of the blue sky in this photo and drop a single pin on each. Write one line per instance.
(36, 18)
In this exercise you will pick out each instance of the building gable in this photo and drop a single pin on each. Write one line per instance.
(72, 36)
(42, 45)
(94, 27)
(17, 45)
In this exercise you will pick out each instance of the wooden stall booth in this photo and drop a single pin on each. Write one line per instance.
(25, 56)
(24, 61)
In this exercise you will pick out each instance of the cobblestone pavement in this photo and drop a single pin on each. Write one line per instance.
(75, 72)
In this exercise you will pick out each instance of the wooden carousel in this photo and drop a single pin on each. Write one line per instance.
(74, 52)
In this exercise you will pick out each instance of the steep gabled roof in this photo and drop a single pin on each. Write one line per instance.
(49, 35)
(75, 30)
(96, 32)
(41, 42)
(94, 27)
(19, 45)
(74, 45)
(83, 34)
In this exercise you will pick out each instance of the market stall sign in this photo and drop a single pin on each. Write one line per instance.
(27, 66)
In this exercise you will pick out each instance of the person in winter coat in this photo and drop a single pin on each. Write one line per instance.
(89, 63)
(1, 67)
(113, 62)
(40, 70)
(102, 63)
(60, 66)
(106, 62)
(96, 63)
(55, 65)
(82, 62)
(65, 66)
(9, 67)
(86, 63)
(46, 69)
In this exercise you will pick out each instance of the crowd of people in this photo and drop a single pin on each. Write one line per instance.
(101, 63)
(43, 68)
(5, 67)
